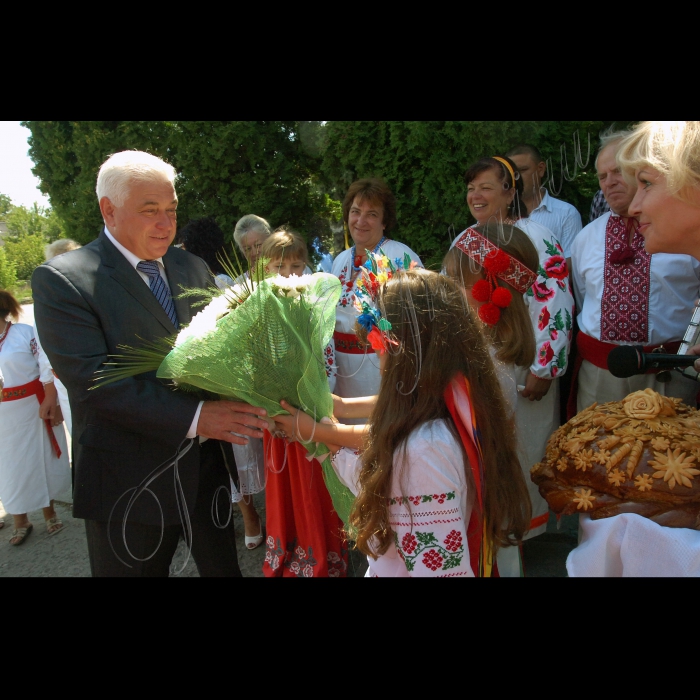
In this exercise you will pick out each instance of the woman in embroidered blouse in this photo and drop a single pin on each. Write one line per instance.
(31, 472)
(439, 479)
(369, 213)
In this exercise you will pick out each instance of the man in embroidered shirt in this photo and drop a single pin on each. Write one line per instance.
(560, 217)
(626, 296)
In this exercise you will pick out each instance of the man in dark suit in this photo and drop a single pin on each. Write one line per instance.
(122, 289)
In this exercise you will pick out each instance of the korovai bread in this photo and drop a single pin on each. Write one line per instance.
(640, 455)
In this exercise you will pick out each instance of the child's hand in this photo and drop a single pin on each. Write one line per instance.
(298, 426)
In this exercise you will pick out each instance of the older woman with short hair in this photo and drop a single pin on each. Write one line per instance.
(369, 214)
(250, 234)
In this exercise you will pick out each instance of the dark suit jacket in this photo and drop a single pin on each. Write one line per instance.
(87, 303)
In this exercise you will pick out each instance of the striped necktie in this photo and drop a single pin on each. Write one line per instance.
(159, 288)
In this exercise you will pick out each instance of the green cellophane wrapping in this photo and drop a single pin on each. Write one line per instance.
(270, 348)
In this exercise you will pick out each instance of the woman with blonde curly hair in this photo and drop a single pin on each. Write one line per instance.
(663, 159)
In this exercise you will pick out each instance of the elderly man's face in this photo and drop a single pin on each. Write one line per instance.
(147, 221)
(617, 192)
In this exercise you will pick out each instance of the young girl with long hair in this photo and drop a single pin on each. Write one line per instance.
(508, 327)
(439, 487)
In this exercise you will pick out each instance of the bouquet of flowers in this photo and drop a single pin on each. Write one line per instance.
(258, 342)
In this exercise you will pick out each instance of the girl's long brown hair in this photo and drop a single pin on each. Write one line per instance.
(438, 338)
(513, 337)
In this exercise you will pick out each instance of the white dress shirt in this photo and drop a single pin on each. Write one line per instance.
(561, 218)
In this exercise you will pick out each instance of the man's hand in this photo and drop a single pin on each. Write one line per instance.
(220, 419)
(535, 388)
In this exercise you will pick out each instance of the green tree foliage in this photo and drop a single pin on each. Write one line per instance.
(424, 163)
(67, 156)
(5, 205)
(8, 271)
(26, 253)
(227, 169)
(28, 232)
(33, 222)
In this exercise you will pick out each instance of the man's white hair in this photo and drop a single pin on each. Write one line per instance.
(121, 170)
(609, 136)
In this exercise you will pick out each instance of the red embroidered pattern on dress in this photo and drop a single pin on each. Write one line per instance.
(425, 548)
(347, 288)
(625, 304)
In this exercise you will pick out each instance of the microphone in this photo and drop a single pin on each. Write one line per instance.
(627, 360)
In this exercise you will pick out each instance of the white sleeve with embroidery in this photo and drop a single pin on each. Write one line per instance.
(45, 373)
(550, 303)
(429, 509)
(331, 367)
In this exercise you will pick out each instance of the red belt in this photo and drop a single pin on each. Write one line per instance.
(596, 352)
(35, 388)
(348, 343)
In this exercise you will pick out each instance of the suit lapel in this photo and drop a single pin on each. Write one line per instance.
(124, 274)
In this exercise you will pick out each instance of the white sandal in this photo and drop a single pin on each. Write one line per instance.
(255, 541)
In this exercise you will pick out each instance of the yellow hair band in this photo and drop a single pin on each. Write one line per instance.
(508, 165)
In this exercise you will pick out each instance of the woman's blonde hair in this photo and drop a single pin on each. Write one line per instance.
(285, 245)
(672, 148)
(513, 337)
(438, 338)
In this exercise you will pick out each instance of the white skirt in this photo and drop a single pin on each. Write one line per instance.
(30, 473)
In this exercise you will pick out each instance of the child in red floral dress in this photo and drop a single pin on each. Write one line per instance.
(304, 533)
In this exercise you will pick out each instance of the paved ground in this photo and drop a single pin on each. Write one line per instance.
(65, 553)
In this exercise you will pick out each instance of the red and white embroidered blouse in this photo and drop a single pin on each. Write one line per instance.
(429, 507)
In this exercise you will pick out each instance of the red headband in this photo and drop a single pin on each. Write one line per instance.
(517, 275)
(496, 263)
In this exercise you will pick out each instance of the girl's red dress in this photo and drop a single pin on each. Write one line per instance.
(304, 533)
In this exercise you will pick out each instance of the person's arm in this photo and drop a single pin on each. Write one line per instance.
(551, 308)
(49, 408)
(300, 427)
(359, 407)
(75, 339)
